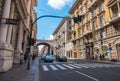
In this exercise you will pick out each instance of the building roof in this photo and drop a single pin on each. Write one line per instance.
(75, 5)
(59, 26)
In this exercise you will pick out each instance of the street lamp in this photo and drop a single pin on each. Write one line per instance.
(29, 45)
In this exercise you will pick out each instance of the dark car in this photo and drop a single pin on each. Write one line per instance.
(49, 58)
(61, 58)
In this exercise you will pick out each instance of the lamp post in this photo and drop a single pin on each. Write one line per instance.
(29, 45)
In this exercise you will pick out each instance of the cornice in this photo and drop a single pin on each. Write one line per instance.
(21, 8)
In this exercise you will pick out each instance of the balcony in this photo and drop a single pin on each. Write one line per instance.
(111, 2)
(94, 4)
(83, 12)
(115, 18)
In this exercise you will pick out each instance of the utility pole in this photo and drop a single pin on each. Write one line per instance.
(29, 45)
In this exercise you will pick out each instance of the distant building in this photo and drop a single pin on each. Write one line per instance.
(61, 36)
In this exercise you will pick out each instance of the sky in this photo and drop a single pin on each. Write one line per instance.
(46, 26)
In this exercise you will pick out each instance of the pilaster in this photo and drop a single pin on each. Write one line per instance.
(6, 51)
(19, 50)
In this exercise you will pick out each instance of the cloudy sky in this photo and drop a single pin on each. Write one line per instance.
(45, 25)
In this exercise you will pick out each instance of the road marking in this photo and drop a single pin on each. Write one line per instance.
(68, 66)
(60, 67)
(45, 68)
(81, 65)
(53, 67)
(74, 66)
(89, 65)
(87, 76)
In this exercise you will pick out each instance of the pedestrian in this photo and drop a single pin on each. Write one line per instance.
(103, 56)
(21, 59)
(25, 57)
(100, 57)
(33, 57)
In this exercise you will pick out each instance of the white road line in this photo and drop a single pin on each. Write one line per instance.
(75, 66)
(45, 68)
(53, 67)
(60, 67)
(104, 65)
(97, 65)
(68, 66)
(87, 76)
(81, 65)
(88, 65)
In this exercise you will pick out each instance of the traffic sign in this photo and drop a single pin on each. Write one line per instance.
(9, 21)
(110, 48)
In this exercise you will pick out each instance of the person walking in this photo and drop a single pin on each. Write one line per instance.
(21, 59)
(33, 57)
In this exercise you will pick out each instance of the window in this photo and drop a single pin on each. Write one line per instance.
(94, 25)
(93, 13)
(114, 9)
(104, 34)
(87, 18)
(83, 29)
(88, 27)
(100, 6)
(102, 20)
(69, 28)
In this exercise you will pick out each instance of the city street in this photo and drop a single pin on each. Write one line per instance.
(79, 71)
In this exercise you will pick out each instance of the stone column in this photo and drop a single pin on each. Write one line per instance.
(6, 52)
(10, 26)
(19, 50)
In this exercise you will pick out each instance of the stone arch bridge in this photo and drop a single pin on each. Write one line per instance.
(48, 43)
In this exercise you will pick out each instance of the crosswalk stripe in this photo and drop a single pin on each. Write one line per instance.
(75, 66)
(81, 65)
(68, 66)
(53, 67)
(60, 67)
(96, 65)
(45, 68)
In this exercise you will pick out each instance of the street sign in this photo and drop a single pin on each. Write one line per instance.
(110, 48)
(9, 21)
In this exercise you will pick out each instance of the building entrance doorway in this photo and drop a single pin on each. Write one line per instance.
(75, 53)
(118, 50)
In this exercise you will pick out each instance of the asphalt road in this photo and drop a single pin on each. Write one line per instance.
(79, 71)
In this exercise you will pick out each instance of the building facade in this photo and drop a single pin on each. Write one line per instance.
(14, 37)
(98, 33)
(60, 37)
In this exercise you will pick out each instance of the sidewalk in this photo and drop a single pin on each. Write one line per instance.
(99, 61)
(20, 72)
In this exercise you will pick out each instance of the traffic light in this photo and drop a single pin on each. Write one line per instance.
(77, 19)
(32, 41)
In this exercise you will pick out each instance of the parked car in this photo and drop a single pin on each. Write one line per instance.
(61, 58)
(43, 56)
(49, 58)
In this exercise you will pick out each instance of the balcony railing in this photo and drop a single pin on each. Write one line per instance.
(110, 2)
(115, 17)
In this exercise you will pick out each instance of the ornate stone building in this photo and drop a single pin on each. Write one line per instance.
(99, 30)
(60, 37)
(14, 38)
